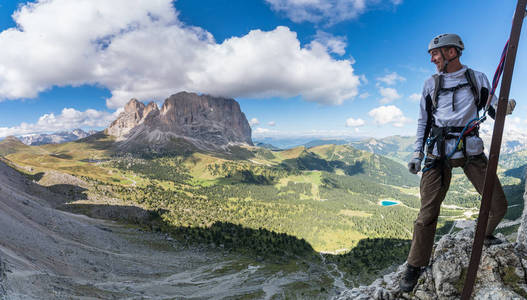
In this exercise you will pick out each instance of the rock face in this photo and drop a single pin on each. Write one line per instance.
(501, 274)
(521, 239)
(207, 122)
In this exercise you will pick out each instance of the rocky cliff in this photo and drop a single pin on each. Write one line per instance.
(206, 122)
(502, 273)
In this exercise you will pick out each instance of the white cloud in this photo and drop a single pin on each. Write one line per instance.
(363, 79)
(68, 119)
(391, 78)
(355, 122)
(364, 95)
(327, 11)
(147, 53)
(254, 121)
(391, 114)
(260, 131)
(333, 44)
(388, 95)
(272, 123)
(415, 97)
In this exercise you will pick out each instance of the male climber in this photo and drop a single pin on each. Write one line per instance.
(450, 99)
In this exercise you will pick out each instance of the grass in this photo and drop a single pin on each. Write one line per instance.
(289, 153)
(312, 177)
(83, 159)
(354, 213)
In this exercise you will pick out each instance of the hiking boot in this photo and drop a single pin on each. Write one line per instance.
(409, 279)
(491, 240)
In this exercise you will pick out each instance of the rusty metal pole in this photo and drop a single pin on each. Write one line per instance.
(490, 175)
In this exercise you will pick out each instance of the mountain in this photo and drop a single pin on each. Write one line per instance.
(267, 146)
(307, 141)
(398, 148)
(200, 121)
(48, 253)
(11, 145)
(321, 142)
(55, 138)
(512, 140)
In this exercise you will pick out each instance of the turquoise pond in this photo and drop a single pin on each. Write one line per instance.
(388, 203)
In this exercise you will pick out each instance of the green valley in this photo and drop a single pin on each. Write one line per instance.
(322, 199)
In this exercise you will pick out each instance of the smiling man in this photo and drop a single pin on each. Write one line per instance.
(450, 100)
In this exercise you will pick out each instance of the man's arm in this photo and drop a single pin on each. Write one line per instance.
(484, 82)
(421, 125)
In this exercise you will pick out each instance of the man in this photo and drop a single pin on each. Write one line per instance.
(450, 100)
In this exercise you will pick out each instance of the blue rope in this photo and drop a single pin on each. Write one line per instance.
(475, 122)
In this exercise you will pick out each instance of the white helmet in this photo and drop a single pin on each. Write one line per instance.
(446, 39)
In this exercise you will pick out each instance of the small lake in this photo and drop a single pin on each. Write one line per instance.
(389, 203)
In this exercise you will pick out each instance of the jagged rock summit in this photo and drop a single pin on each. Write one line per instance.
(501, 274)
(203, 121)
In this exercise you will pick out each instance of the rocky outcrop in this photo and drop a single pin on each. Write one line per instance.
(127, 120)
(206, 122)
(521, 239)
(501, 273)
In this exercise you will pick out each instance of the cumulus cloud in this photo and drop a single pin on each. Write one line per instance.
(147, 53)
(415, 97)
(272, 123)
(254, 121)
(327, 11)
(355, 122)
(388, 115)
(334, 44)
(68, 119)
(388, 94)
(391, 78)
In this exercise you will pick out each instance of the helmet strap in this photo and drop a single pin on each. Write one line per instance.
(446, 61)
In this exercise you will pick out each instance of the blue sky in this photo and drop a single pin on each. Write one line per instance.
(321, 68)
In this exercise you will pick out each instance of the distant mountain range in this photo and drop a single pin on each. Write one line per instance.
(512, 141)
(55, 138)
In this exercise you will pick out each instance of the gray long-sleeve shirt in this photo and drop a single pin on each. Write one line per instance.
(465, 110)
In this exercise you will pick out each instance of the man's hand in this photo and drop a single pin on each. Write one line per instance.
(414, 165)
(511, 104)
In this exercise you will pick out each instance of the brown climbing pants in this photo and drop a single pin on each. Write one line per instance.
(433, 191)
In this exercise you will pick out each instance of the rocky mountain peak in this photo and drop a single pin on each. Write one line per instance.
(134, 106)
(151, 107)
(207, 122)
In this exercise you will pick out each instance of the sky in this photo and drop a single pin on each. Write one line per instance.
(321, 68)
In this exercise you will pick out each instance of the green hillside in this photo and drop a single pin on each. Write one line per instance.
(327, 197)
(11, 145)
